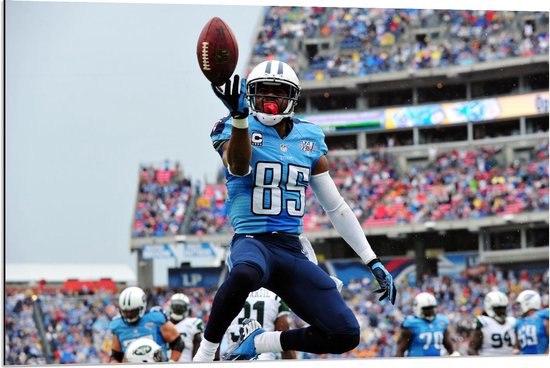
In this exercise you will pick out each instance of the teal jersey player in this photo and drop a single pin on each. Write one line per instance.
(135, 323)
(425, 333)
(532, 327)
(270, 159)
(147, 326)
(427, 337)
(272, 197)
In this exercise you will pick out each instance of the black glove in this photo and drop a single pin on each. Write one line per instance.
(234, 99)
(385, 280)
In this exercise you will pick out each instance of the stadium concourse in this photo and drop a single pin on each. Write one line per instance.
(437, 128)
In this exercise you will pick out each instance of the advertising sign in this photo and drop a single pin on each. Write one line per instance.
(434, 114)
(193, 277)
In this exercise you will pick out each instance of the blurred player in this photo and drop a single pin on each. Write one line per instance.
(493, 331)
(189, 328)
(426, 333)
(144, 350)
(532, 326)
(271, 158)
(135, 322)
(270, 311)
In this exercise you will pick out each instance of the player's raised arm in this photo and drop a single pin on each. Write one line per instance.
(238, 151)
(347, 225)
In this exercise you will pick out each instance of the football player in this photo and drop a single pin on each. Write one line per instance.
(135, 322)
(425, 333)
(144, 350)
(270, 160)
(270, 311)
(532, 327)
(493, 333)
(189, 328)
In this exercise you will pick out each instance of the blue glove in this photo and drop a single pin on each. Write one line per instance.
(234, 99)
(385, 280)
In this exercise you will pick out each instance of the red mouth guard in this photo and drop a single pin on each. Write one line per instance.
(271, 108)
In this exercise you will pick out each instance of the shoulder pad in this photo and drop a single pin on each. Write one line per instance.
(479, 323)
(443, 318)
(219, 125)
(199, 324)
(543, 313)
(156, 315)
(115, 322)
(409, 322)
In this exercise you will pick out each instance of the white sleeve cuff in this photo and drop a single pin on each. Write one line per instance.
(240, 176)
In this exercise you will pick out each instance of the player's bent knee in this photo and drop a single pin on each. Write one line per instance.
(246, 277)
(343, 343)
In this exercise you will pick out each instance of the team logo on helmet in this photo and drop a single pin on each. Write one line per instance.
(142, 350)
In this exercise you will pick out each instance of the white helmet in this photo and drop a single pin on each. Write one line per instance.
(274, 73)
(179, 307)
(496, 299)
(529, 299)
(132, 302)
(144, 350)
(421, 301)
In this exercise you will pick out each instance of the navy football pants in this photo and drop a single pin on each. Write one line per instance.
(275, 261)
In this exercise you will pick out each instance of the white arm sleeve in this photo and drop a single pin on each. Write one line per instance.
(341, 215)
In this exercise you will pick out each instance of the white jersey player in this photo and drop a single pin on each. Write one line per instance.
(493, 331)
(270, 311)
(190, 328)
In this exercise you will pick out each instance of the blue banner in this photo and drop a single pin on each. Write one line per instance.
(205, 277)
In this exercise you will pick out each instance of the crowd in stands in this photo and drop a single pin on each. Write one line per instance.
(211, 213)
(453, 185)
(77, 325)
(163, 196)
(22, 341)
(367, 41)
(459, 299)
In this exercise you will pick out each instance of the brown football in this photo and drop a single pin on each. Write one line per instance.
(217, 51)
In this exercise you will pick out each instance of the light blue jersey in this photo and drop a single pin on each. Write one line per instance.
(427, 337)
(147, 326)
(272, 197)
(532, 337)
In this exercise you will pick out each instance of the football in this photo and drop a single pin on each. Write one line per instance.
(217, 51)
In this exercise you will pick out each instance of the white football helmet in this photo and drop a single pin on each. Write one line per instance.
(132, 303)
(529, 299)
(179, 307)
(422, 304)
(272, 73)
(144, 350)
(496, 299)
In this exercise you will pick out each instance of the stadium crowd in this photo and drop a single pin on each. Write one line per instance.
(163, 196)
(459, 184)
(77, 325)
(368, 41)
